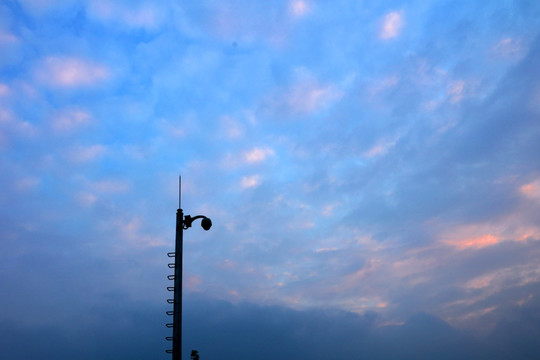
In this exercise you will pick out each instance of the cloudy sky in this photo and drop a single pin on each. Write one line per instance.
(371, 170)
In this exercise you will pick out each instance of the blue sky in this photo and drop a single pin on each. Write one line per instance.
(357, 157)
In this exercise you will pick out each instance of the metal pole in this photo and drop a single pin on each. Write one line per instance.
(177, 327)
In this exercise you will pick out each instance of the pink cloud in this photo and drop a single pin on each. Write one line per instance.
(193, 282)
(7, 38)
(509, 48)
(456, 90)
(381, 147)
(391, 25)
(512, 228)
(131, 231)
(28, 183)
(531, 190)
(69, 120)
(71, 72)
(308, 99)
(299, 8)
(4, 89)
(258, 154)
(86, 198)
(476, 242)
(254, 156)
(481, 282)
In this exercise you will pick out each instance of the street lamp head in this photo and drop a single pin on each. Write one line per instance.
(206, 223)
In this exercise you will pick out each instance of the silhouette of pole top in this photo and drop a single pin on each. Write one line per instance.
(194, 355)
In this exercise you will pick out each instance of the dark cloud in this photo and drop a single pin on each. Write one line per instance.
(221, 330)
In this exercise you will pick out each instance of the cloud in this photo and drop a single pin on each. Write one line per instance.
(456, 90)
(70, 120)
(86, 198)
(241, 330)
(381, 147)
(40, 8)
(70, 72)
(384, 84)
(240, 22)
(250, 181)
(509, 48)
(299, 8)
(305, 97)
(27, 183)
(105, 188)
(131, 14)
(232, 128)
(392, 24)
(82, 154)
(258, 154)
(531, 190)
(12, 128)
(4, 89)
(110, 186)
(476, 242)
(238, 331)
(7, 38)
(131, 231)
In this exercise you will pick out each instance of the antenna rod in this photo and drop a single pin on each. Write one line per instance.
(179, 191)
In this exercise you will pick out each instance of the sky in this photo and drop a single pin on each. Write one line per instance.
(371, 170)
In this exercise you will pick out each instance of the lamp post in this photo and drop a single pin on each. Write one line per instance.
(182, 223)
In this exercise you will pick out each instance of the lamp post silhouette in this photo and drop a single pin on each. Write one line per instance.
(182, 223)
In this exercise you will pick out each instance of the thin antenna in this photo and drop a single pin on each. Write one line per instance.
(179, 191)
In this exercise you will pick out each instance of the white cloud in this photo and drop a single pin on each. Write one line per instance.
(70, 72)
(258, 154)
(251, 157)
(391, 25)
(250, 181)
